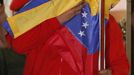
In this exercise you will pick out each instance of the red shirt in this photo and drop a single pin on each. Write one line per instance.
(46, 45)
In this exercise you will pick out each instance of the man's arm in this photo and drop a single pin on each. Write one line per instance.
(35, 37)
(40, 34)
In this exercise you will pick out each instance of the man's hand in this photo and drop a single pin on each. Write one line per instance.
(105, 72)
(71, 13)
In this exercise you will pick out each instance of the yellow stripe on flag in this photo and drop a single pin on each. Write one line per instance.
(25, 21)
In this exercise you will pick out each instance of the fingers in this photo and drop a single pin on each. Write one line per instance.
(77, 9)
(71, 13)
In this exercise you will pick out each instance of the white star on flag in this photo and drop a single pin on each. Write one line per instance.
(81, 33)
(85, 25)
(84, 14)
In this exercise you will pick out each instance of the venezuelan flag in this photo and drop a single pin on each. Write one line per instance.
(31, 14)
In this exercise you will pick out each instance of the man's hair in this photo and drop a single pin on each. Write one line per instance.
(1, 1)
(132, 6)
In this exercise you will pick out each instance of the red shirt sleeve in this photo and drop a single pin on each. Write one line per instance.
(35, 37)
(116, 56)
(17, 4)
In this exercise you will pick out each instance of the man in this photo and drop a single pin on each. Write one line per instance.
(48, 52)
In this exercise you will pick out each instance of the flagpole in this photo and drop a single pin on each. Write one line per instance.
(102, 37)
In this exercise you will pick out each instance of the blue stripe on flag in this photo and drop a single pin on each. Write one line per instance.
(86, 29)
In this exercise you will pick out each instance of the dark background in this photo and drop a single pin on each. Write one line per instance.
(1, 1)
(10, 62)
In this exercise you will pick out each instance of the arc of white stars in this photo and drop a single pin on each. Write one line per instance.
(85, 25)
(84, 14)
(81, 33)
